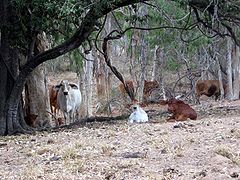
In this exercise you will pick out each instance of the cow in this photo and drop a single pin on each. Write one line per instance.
(129, 83)
(68, 99)
(30, 119)
(53, 92)
(149, 86)
(209, 88)
(180, 110)
(138, 114)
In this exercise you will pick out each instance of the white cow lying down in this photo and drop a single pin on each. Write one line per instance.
(69, 99)
(138, 115)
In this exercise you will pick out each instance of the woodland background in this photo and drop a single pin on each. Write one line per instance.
(89, 42)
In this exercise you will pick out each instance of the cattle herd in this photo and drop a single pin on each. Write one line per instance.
(67, 98)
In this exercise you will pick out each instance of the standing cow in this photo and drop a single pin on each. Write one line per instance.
(209, 88)
(148, 88)
(69, 99)
(53, 99)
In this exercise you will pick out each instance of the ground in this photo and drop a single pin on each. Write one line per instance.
(208, 148)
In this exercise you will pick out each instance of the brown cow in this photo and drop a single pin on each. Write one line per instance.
(53, 99)
(30, 119)
(147, 89)
(129, 83)
(180, 110)
(209, 88)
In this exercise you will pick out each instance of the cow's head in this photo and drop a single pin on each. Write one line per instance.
(65, 87)
(135, 105)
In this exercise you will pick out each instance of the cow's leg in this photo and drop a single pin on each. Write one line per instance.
(171, 118)
(77, 114)
(65, 117)
(198, 99)
(181, 117)
(71, 116)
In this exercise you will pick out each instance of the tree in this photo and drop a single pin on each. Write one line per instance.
(11, 115)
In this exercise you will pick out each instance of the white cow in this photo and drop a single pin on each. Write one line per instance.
(138, 114)
(69, 99)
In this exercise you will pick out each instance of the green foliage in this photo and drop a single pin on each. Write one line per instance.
(76, 61)
(173, 65)
(58, 18)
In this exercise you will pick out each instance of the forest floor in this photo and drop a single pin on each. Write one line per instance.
(208, 148)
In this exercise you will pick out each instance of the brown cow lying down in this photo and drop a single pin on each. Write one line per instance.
(209, 88)
(180, 110)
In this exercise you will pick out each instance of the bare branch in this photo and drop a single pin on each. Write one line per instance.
(100, 30)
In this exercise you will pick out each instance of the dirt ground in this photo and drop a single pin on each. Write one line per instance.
(208, 148)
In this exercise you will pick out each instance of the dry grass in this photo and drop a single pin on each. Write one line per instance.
(226, 152)
(117, 150)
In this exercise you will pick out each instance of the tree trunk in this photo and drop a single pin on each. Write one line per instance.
(89, 85)
(8, 73)
(229, 68)
(143, 57)
(143, 61)
(37, 99)
(37, 103)
(220, 79)
(157, 64)
(236, 74)
(103, 75)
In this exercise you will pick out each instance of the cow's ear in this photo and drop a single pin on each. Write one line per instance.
(74, 86)
(57, 87)
(128, 105)
(163, 102)
(143, 104)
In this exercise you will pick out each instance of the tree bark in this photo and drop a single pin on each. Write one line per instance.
(37, 103)
(220, 79)
(8, 73)
(143, 58)
(229, 68)
(236, 74)
(37, 98)
(88, 81)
